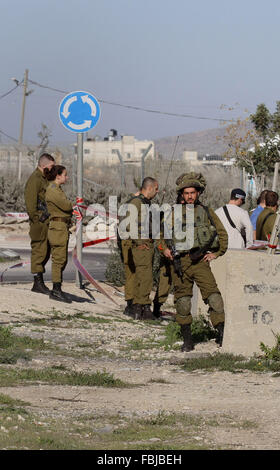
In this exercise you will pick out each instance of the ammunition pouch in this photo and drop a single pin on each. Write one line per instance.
(205, 235)
(196, 254)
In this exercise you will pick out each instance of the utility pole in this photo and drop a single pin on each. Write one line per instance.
(25, 83)
(145, 153)
(122, 166)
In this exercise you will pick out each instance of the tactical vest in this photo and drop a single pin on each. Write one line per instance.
(201, 234)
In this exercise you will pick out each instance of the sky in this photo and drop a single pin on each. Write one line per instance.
(207, 60)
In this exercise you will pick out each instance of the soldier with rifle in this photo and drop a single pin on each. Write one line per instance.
(34, 195)
(165, 278)
(208, 240)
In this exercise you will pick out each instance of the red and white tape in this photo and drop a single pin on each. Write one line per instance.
(78, 212)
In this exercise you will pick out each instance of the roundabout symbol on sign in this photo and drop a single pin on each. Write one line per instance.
(79, 111)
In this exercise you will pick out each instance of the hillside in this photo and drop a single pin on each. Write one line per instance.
(208, 141)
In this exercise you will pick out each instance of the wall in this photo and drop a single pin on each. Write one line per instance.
(250, 285)
(131, 150)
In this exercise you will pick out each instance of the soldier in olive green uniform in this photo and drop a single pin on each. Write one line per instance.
(125, 247)
(209, 241)
(34, 195)
(165, 278)
(266, 219)
(140, 265)
(60, 209)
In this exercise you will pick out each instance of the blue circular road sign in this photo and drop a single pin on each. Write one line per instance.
(79, 111)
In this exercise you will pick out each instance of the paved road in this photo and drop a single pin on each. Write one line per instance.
(94, 262)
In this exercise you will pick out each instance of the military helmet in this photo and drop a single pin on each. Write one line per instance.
(191, 180)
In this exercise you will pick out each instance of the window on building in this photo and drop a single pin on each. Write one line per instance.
(87, 151)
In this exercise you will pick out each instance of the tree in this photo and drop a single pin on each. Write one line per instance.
(254, 143)
(276, 119)
(262, 120)
(43, 135)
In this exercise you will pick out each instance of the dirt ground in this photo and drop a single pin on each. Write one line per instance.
(111, 343)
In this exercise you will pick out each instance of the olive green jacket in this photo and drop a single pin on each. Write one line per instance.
(139, 202)
(57, 203)
(265, 228)
(35, 189)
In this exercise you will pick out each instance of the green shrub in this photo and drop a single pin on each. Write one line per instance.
(173, 333)
(115, 268)
(202, 330)
(274, 352)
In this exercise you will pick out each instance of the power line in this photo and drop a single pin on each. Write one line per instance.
(10, 91)
(45, 86)
(138, 108)
(7, 135)
(3, 96)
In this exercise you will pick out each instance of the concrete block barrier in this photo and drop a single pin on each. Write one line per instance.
(249, 282)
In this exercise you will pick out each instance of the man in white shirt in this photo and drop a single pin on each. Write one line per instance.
(236, 221)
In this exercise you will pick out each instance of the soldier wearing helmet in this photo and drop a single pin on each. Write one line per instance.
(205, 240)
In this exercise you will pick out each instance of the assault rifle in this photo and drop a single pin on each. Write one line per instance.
(176, 261)
(42, 207)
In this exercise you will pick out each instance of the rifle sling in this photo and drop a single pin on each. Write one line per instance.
(264, 221)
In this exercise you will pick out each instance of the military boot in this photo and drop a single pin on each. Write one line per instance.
(39, 285)
(187, 337)
(220, 328)
(147, 314)
(156, 310)
(137, 311)
(129, 308)
(57, 294)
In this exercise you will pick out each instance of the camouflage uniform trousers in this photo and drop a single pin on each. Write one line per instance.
(40, 247)
(142, 252)
(129, 269)
(200, 273)
(164, 282)
(58, 236)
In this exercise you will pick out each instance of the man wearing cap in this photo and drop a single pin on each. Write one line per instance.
(236, 221)
(205, 240)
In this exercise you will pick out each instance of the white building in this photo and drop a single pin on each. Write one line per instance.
(208, 159)
(109, 151)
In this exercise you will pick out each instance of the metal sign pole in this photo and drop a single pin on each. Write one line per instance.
(79, 112)
(80, 140)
